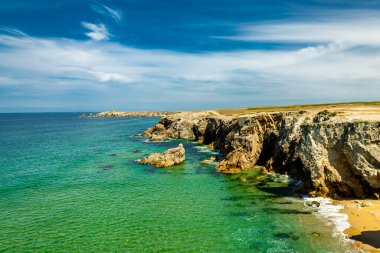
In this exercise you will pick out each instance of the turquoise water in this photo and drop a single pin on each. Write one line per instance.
(72, 185)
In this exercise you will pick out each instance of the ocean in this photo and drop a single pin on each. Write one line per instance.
(69, 184)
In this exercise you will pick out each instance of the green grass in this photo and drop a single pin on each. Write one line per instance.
(327, 113)
(358, 122)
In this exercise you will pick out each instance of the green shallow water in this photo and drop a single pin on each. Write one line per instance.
(71, 185)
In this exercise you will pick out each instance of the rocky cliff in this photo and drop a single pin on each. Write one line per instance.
(333, 157)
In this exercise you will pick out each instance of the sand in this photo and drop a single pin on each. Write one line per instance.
(364, 218)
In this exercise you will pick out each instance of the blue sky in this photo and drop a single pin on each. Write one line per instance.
(170, 55)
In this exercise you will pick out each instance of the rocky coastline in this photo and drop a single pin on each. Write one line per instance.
(333, 156)
(120, 114)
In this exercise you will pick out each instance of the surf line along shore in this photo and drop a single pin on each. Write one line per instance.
(333, 149)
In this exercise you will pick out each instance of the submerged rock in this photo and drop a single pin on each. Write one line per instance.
(282, 235)
(242, 180)
(205, 162)
(313, 203)
(169, 158)
(106, 167)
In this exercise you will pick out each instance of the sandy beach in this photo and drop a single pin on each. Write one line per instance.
(364, 218)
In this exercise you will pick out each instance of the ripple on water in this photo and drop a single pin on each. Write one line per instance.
(53, 199)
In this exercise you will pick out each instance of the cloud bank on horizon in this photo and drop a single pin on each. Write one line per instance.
(144, 55)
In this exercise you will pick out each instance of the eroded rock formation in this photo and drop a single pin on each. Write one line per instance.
(332, 157)
(166, 159)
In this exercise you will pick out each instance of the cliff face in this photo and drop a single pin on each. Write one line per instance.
(332, 157)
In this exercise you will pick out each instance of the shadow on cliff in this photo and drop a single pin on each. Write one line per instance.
(277, 190)
(369, 237)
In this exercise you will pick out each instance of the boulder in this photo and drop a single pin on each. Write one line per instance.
(166, 159)
(237, 160)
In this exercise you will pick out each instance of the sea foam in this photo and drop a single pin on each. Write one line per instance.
(330, 214)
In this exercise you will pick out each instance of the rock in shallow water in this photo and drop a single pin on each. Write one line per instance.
(169, 158)
(313, 203)
(106, 167)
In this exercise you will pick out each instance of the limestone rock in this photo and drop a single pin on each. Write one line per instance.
(156, 133)
(169, 158)
(237, 160)
(332, 158)
(182, 125)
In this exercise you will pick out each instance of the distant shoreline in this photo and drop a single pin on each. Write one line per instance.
(120, 114)
(237, 111)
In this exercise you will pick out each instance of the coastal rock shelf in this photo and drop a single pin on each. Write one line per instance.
(333, 157)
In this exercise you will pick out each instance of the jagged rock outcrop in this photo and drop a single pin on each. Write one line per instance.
(182, 125)
(332, 157)
(169, 158)
(236, 161)
(342, 158)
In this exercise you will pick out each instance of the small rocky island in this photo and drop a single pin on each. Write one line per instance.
(166, 159)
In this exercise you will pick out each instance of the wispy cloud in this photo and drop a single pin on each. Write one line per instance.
(328, 67)
(349, 27)
(105, 10)
(97, 31)
(11, 31)
(117, 15)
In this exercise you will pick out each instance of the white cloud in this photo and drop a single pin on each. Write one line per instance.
(109, 77)
(117, 15)
(11, 31)
(97, 32)
(329, 68)
(8, 81)
(351, 28)
(105, 10)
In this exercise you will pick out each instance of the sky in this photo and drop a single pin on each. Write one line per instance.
(97, 55)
